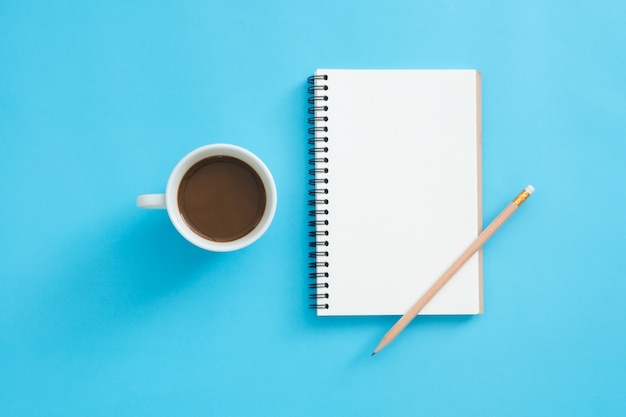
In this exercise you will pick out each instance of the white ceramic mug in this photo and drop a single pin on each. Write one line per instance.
(169, 200)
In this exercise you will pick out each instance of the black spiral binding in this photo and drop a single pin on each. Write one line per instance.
(318, 158)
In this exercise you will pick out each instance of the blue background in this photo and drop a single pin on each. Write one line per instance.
(105, 310)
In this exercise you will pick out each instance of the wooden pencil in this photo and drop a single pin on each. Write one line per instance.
(434, 289)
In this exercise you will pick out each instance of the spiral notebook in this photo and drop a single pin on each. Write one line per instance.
(395, 190)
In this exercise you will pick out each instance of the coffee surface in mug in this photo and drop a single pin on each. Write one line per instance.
(221, 198)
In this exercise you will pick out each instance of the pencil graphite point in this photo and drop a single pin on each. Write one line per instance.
(373, 353)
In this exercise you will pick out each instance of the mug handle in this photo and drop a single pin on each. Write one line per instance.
(151, 201)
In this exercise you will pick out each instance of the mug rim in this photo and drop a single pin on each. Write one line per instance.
(206, 151)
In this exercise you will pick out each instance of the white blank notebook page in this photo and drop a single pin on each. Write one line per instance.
(403, 189)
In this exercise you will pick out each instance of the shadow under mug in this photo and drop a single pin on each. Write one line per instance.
(169, 200)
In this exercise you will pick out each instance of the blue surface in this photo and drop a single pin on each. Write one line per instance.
(106, 311)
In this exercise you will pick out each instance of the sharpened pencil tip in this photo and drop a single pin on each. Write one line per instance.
(373, 353)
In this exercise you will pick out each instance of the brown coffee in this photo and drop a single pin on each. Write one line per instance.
(221, 198)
